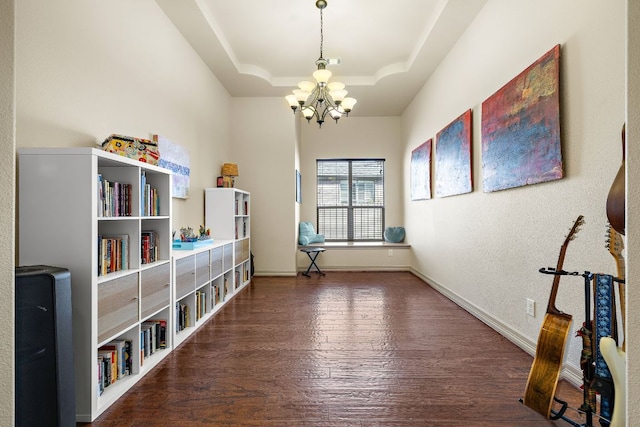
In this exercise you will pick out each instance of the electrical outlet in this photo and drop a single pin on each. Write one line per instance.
(531, 307)
(390, 252)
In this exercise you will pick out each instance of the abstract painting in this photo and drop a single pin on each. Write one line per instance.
(453, 158)
(521, 128)
(421, 172)
(298, 186)
(175, 158)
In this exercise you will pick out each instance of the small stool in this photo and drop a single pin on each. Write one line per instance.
(312, 253)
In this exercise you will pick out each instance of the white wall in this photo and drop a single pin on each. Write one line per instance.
(381, 258)
(505, 237)
(86, 70)
(353, 137)
(7, 210)
(264, 142)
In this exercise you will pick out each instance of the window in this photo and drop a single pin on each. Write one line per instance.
(351, 199)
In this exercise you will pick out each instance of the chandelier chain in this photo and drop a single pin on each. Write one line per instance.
(321, 33)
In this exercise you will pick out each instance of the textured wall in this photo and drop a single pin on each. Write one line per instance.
(505, 237)
(86, 70)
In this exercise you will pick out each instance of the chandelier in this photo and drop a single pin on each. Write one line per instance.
(322, 98)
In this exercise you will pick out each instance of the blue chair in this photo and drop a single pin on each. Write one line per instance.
(307, 234)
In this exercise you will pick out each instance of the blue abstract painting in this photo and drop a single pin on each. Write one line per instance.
(421, 172)
(453, 158)
(521, 128)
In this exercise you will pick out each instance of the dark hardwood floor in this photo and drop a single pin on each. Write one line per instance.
(346, 349)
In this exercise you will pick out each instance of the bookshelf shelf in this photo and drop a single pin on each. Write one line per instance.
(121, 290)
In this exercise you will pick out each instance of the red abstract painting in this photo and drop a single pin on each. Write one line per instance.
(521, 128)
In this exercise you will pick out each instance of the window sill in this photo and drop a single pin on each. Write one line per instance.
(357, 245)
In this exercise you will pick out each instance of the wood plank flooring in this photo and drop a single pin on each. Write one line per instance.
(357, 349)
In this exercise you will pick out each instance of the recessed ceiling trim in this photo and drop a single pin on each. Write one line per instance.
(383, 88)
(247, 69)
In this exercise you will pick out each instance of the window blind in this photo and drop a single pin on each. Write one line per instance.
(350, 199)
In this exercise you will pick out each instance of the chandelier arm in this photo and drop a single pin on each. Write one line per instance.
(315, 96)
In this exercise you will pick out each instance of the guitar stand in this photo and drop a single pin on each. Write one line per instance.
(587, 375)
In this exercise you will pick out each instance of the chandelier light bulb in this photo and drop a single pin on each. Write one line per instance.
(322, 76)
(307, 86)
(308, 112)
(301, 95)
(335, 86)
(292, 100)
(348, 104)
(338, 95)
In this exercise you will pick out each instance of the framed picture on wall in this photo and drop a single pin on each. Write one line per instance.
(298, 187)
(521, 128)
(453, 158)
(175, 158)
(421, 171)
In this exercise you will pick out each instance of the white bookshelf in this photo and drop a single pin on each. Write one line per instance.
(227, 214)
(202, 279)
(60, 221)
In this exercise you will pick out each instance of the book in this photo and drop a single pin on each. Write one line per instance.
(143, 183)
(100, 196)
(128, 357)
(100, 388)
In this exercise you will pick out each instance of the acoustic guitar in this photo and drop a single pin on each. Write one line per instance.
(545, 370)
(615, 356)
(616, 196)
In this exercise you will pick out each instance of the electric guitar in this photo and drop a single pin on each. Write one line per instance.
(615, 356)
(545, 370)
(615, 244)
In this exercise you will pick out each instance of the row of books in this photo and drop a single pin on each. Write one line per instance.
(245, 206)
(182, 316)
(114, 198)
(149, 198)
(114, 363)
(113, 253)
(148, 246)
(153, 337)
